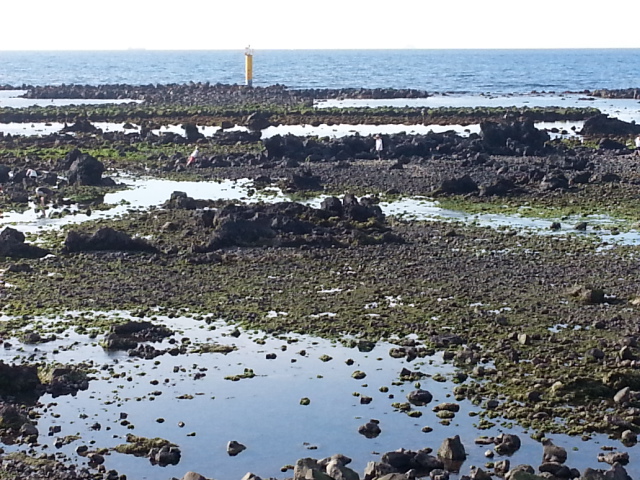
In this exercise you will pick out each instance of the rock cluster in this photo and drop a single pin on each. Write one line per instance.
(218, 94)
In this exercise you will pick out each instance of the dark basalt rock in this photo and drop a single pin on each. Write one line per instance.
(66, 381)
(513, 138)
(14, 422)
(419, 397)
(241, 232)
(18, 379)
(370, 429)
(4, 173)
(456, 186)
(180, 200)
(232, 138)
(12, 245)
(86, 170)
(604, 125)
(608, 144)
(81, 126)
(306, 181)
(191, 132)
(554, 181)
(502, 186)
(507, 444)
(105, 238)
(257, 121)
(293, 224)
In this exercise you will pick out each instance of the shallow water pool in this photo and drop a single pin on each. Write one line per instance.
(264, 413)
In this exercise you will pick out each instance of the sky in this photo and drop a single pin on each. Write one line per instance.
(324, 24)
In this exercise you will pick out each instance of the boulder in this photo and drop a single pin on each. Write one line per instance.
(452, 449)
(193, 476)
(512, 137)
(105, 239)
(81, 125)
(66, 380)
(18, 379)
(234, 448)
(500, 187)
(165, 455)
(375, 470)
(614, 457)
(554, 181)
(424, 461)
(629, 438)
(553, 453)
(258, 121)
(587, 295)
(11, 417)
(191, 132)
(456, 186)
(609, 144)
(338, 471)
(507, 444)
(180, 200)
(332, 205)
(419, 397)
(305, 181)
(250, 476)
(604, 125)
(479, 474)
(12, 244)
(241, 232)
(370, 429)
(556, 469)
(72, 156)
(401, 460)
(305, 468)
(616, 472)
(522, 472)
(86, 170)
(360, 211)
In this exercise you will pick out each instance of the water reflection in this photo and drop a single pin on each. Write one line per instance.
(144, 193)
(265, 412)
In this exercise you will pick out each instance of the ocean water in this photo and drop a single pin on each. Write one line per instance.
(459, 71)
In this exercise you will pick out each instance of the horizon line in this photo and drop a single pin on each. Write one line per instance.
(142, 49)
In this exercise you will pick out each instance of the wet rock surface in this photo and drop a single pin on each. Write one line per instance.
(203, 93)
(538, 327)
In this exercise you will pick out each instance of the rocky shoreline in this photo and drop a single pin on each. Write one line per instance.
(222, 94)
(514, 362)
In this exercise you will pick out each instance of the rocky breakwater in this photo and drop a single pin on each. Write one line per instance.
(216, 94)
(615, 93)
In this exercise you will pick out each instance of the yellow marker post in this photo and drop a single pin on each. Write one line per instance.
(248, 66)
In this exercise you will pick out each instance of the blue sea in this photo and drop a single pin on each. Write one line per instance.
(437, 71)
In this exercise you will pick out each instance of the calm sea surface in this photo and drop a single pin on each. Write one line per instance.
(461, 71)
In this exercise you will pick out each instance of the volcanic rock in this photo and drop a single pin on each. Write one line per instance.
(106, 238)
(452, 449)
(604, 125)
(12, 245)
(86, 170)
